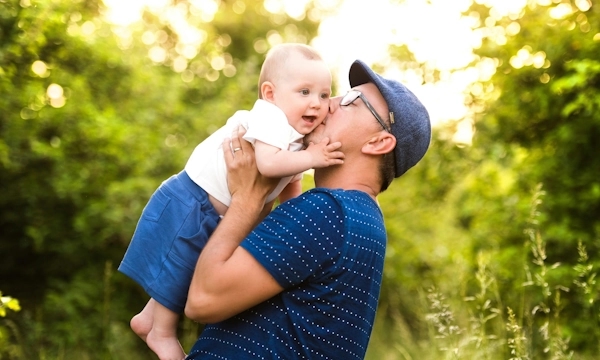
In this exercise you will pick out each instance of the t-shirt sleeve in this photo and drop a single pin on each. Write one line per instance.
(300, 239)
(268, 124)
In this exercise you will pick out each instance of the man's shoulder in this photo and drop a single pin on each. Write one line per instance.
(321, 193)
(344, 198)
(336, 193)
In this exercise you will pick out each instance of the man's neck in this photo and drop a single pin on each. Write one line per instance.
(340, 179)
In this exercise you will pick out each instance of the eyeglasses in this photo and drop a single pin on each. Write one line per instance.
(351, 97)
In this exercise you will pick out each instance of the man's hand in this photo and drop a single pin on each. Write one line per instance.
(325, 154)
(243, 178)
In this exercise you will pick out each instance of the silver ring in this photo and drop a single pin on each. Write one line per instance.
(237, 149)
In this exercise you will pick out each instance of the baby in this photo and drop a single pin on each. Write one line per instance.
(294, 91)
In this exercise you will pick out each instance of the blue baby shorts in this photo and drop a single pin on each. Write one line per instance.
(174, 227)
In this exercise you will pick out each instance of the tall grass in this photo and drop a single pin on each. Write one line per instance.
(527, 324)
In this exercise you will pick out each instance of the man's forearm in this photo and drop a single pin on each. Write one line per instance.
(239, 220)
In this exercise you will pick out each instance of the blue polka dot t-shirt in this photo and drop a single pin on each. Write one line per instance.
(326, 248)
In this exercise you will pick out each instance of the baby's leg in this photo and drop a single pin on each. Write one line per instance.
(162, 338)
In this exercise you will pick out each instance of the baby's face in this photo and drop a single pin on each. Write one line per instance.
(303, 93)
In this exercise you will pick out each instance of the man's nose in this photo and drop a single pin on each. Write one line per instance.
(334, 104)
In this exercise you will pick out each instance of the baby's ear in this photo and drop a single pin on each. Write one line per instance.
(267, 90)
(381, 144)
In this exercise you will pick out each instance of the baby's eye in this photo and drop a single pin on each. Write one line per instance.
(324, 96)
(304, 92)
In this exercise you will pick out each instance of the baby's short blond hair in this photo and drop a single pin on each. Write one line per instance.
(276, 59)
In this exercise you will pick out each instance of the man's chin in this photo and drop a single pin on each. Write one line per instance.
(315, 136)
(311, 138)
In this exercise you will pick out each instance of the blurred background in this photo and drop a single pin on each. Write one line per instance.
(493, 239)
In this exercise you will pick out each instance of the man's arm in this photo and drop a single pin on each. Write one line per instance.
(227, 279)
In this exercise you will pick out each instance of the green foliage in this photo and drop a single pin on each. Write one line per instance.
(548, 110)
(7, 302)
(7, 327)
(89, 129)
(462, 222)
(475, 268)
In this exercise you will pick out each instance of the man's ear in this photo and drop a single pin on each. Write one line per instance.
(380, 144)
(267, 89)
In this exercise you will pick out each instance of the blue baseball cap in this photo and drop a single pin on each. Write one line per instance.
(409, 119)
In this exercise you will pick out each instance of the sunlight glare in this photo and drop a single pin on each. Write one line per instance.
(561, 11)
(293, 8)
(446, 46)
(123, 12)
(583, 5)
(206, 9)
(40, 69)
(436, 32)
(55, 94)
(503, 8)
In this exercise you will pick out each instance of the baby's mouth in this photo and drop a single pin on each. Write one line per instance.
(309, 118)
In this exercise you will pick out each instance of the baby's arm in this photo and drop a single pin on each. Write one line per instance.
(277, 163)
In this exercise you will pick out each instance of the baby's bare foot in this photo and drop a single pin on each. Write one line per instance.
(141, 325)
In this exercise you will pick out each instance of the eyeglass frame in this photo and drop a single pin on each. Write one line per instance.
(369, 106)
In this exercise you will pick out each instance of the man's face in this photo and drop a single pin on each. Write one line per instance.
(354, 123)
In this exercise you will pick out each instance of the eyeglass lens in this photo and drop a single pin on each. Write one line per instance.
(351, 97)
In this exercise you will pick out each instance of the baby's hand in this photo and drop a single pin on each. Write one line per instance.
(325, 154)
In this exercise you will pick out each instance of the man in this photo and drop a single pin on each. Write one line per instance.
(304, 284)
